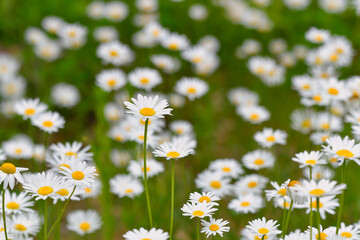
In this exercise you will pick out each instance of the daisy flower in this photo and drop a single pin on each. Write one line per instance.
(315, 35)
(324, 233)
(253, 114)
(214, 226)
(43, 185)
(228, 167)
(9, 174)
(320, 172)
(105, 34)
(348, 232)
(65, 192)
(200, 210)
(126, 186)
(252, 183)
(166, 63)
(79, 174)
(115, 53)
(17, 203)
(49, 122)
(279, 191)
(148, 107)
(326, 205)
(175, 42)
(258, 159)
(215, 182)
(111, 79)
(246, 204)
(342, 149)
(320, 189)
(262, 227)
(83, 221)
(142, 233)
(91, 191)
(145, 78)
(191, 87)
(116, 11)
(177, 148)
(73, 149)
(309, 159)
(18, 148)
(52, 24)
(153, 168)
(65, 95)
(29, 107)
(208, 197)
(25, 225)
(181, 127)
(269, 137)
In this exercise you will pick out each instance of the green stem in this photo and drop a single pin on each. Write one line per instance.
(45, 219)
(284, 215)
(342, 196)
(3, 214)
(145, 175)
(61, 213)
(198, 230)
(311, 210)
(318, 217)
(172, 196)
(288, 218)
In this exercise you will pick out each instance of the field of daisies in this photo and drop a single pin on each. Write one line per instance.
(180, 120)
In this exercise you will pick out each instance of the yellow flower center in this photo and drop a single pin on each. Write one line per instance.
(259, 162)
(346, 234)
(334, 57)
(310, 162)
(111, 82)
(214, 227)
(322, 236)
(48, 124)
(13, 205)
(345, 153)
(306, 87)
(29, 111)
(254, 116)
(71, 154)
(260, 70)
(270, 139)
(293, 183)
(20, 227)
(147, 112)
(72, 34)
(333, 91)
(113, 53)
(317, 192)
(85, 226)
(144, 80)
(204, 198)
(64, 165)
(215, 184)
(245, 204)
(314, 204)
(191, 90)
(18, 151)
(173, 154)
(226, 169)
(8, 168)
(45, 190)
(147, 169)
(88, 190)
(173, 46)
(263, 231)
(78, 175)
(196, 59)
(319, 38)
(282, 192)
(63, 192)
(198, 213)
(325, 126)
(252, 184)
(129, 190)
(259, 238)
(306, 123)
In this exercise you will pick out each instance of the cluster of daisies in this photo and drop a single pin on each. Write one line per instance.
(202, 206)
(61, 35)
(69, 175)
(316, 195)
